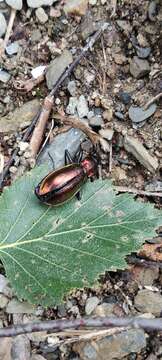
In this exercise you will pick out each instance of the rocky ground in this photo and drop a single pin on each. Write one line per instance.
(109, 90)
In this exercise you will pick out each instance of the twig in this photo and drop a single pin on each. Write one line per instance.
(150, 102)
(49, 100)
(9, 29)
(110, 158)
(137, 192)
(45, 142)
(59, 325)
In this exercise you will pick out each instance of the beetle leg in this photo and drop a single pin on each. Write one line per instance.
(68, 158)
(78, 195)
(51, 158)
(78, 155)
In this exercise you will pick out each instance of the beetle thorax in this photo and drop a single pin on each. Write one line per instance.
(89, 166)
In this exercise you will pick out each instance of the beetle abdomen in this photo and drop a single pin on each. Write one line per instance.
(59, 186)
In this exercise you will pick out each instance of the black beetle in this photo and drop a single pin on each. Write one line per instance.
(61, 185)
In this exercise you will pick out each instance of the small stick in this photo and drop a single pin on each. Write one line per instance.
(9, 29)
(152, 101)
(137, 192)
(59, 325)
(49, 100)
(45, 142)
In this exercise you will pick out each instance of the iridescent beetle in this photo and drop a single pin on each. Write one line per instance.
(61, 185)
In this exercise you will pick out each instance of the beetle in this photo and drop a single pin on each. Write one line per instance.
(62, 184)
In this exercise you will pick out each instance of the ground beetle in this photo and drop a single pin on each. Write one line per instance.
(61, 185)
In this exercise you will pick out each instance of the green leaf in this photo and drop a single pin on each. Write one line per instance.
(47, 251)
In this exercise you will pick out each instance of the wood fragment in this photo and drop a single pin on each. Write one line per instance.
(8, 31)
(38, 132)
(152, 101)
(137, 192)
(28, 85)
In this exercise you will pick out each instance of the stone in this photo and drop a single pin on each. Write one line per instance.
(92, 2)
(138, 114)
(5, 348)
(139, 67)
(88, 27)
(23, 146)
(148, 301)
(4, 75)
(20, 117)
(152, 10)
(13, 48)
(82, 107)
(91, 304)
(20, 348)
(107, 134)
(119, 115)
(35, 35)
(72, 106)
(39, 3)
(105, 309)
(124, 25)
(96, 121)
(72, 88)
(3, 301)
(4, 286)
(120, 59)
(124, 97)
(57, 67)
(69, 140)
(15, 4)
(145, 276)
(135, 147)
(41, 15)
(16, 307)
(112, 347)
(143, 52)
(75, 7)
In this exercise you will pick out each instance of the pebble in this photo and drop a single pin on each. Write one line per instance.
(35, 36)
(88, 27)
(4, 75)
(39, 3)
(91, 304)
(145, 276)
(16, 307)
(148, 301)
(105, 309)
(20, 117)
(15, 4)
(152, 10)
(13, 48)
(72, 88)
(108, 114)
(137, 114)
(69, 140)
(13, 169)
(143, 52)
(23, 145)
(112, 347)
(119, 115)
(4, 286)
(75, 7)
(107, 133)
(57, 67)
(3, 301)
(41, 15)
(5, 348)
(72, 106)
(139, 67)
(20, 348)
(124, 97)
(96, 121)
(135, 147)
(82, 107)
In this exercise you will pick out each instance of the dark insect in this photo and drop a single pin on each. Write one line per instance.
(61, 185)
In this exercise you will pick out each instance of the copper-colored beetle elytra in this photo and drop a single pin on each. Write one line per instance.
(61, 185)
